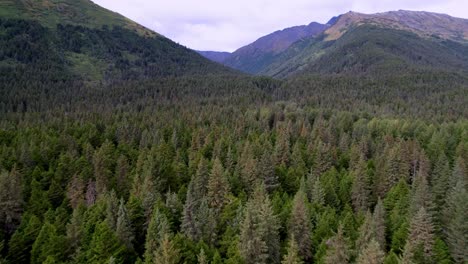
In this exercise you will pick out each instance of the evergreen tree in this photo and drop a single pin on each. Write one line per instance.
(103, 164)
(395, 168)
(440, 185)
(421, 195)
(317, 193)
(149, 193)
(167, 253)
(282, 146)
(292, 255)
(300, 226)
(266, 170)
(460, 173)
(338, 251)
(248, 168)
(189, 218)
(360, 191)
(366, 233)
(124, 226)
(20, 244)
(74, 228)
(371, 254)
(158, 227)
(75, 191)
(218, 187)
(323, 159)
(104, 244)
(420, 241)
(11, 200)
(48, 243)
(259, 241)
(202, 258)
(121, 175)
(206, 222)
(112, 209)
(455, 226)
(378, 224)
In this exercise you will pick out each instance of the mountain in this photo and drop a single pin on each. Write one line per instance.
(78, 12)
(253, 57)
(78, 40)
(217, 56)
(424, 24)
(383, 43)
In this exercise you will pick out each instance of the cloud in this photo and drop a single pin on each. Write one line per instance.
(227, 25)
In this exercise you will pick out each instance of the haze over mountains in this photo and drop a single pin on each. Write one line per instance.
(404, 39)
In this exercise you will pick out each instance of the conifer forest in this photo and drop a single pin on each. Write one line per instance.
(119, 148)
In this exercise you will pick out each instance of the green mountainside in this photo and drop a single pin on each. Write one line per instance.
(80, 40)
(76, 12)
(370, 49)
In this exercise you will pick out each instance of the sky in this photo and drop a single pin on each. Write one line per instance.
(226, 25)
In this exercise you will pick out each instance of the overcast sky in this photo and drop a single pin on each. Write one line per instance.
(225, 25)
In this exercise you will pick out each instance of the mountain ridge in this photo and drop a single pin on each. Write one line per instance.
(422, 23)
(253, 56)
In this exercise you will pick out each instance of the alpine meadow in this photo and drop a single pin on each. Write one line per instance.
(342, 142)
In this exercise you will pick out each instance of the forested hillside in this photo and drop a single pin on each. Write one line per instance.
(120, 148)
(372, 51)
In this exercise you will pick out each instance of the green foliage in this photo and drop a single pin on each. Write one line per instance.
(104, 245)
(48, 245)
(186, 153)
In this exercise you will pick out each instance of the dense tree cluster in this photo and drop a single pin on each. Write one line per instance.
(206, 180)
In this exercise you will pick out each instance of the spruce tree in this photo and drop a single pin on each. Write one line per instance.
(317, 193)
(202, 258)
(338, 251)
(366, 233)
(266, 170)
(282, 146)
(189, 217)
(124, 229)
(11, 200)
(259, 238)
(323, 159)
(440, 185)
(378, 224)
(420, 195)
(292, 255)
(218, 187)
(48, 243)
(455, 224)
(103, 164)
(157, 229)
(104, 244)
(360, 191)
(167, 253)
(74, 227)
(421, 236)
(371, 254)
(112, 209)
(300, 226)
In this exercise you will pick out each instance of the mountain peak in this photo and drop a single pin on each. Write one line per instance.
(420, 22)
